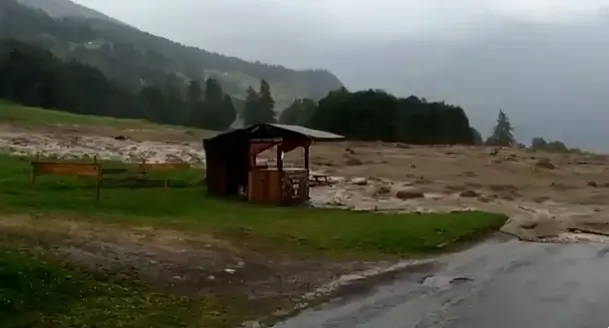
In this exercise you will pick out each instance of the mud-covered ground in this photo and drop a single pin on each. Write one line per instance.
(544, 194)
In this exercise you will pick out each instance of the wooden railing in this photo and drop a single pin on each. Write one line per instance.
(96, 171)
(296, 185)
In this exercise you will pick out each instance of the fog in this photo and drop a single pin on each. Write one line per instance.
(542, 61)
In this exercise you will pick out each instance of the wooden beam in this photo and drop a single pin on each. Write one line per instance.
(306, 158)
(279, 159)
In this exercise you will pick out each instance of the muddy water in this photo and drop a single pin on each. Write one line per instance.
(501, 283)
(529, 220)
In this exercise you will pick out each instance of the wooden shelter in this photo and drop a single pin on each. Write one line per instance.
(233, 170)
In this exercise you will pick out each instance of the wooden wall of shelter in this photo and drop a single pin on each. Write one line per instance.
(227, 165)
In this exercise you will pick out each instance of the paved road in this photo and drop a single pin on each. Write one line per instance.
(501, 284)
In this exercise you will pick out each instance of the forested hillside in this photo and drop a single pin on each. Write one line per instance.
(136, 58)
(33, 76)
(66, 8)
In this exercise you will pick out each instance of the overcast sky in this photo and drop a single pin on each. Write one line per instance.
(425, 47)
(235, 27)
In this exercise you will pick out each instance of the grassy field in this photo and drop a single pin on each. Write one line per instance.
(37, 291)
(13, 113)
(189, 208)
(10, 112)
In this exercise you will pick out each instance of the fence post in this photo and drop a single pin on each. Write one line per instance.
(98, 179)
(35, 168)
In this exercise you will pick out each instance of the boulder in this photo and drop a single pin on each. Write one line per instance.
(409, 194)
(359, 181)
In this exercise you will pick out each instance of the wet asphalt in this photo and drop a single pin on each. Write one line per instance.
(500, 283)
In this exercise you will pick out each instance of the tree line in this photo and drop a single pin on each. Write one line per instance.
(34, 77)
(502, 136)
(378, 115)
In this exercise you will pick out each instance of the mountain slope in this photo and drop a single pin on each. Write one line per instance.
(137, 58)
(66, 8)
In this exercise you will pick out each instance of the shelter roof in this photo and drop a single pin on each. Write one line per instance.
(273, 130)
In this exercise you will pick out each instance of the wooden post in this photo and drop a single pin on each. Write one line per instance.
(279, 159)
(282, 177)
(35, 168)
(34, 172)
(307, 172)
(306, 158)
(143, 167)
(98, 183)
(99, 179)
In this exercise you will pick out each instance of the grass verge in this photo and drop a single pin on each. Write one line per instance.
(331, 231)
(36, 291)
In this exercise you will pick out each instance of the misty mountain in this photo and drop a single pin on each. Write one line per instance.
(134, 57)
(551, 79)
(67, 8)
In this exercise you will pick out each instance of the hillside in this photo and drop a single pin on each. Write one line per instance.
(66, 8)
(135, 57)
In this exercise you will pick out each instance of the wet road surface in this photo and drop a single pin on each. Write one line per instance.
(500, 284)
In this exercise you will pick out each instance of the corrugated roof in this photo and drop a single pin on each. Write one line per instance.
(311, 133)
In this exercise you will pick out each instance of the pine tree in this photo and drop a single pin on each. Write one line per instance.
(299, 112)
(229, 114)
(174, 111)
(250, 108)
(214, 116)
(266, 104)
(259, 107)
(194, 92)
(502, 133)
(195, 105)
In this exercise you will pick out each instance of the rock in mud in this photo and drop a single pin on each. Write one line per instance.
(528, 225)
(359, 181)
(382, 190)
(409, 194)
(469, 194)
(352, 161)
(545, 163)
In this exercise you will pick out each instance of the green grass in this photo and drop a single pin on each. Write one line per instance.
(16, 113)
(36, 291)
(297, 229)
(13, 113)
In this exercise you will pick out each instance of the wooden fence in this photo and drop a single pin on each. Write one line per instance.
(96, 171)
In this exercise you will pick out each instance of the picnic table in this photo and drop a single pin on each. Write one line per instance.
(316, 179)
